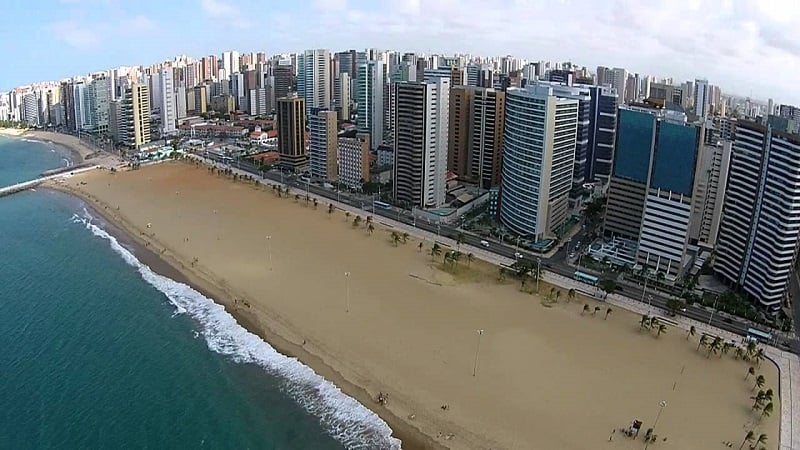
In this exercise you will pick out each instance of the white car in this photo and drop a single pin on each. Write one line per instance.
(518, 255)
(485, 243)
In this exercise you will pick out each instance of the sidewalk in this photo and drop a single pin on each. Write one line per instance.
(788, 363)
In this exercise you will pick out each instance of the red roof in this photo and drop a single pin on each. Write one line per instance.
(272, 133)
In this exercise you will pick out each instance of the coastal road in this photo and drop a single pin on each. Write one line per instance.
(557, 263)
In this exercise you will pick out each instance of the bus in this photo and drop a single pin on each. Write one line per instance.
(586, 278)
(758, 335)
(382, 205)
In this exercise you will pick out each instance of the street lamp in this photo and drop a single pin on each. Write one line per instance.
(661, 405)
(269, 250)
(538, 272)
(716, 299)
(477, 349)
(649, 303)
(347, 292)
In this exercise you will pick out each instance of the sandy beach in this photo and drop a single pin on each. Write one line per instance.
(547, 376)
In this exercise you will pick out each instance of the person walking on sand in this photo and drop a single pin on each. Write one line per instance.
(611, 437)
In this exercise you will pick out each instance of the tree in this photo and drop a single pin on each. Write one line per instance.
(661, 329)
(357, 221)
(370, 228)
(420, 247)
(315, 203)
(585, 309)
(739, 352)
(767, 411)
(715, 346)
(608, 311)
(609, 286)
(596, 309)
(551, 294)
(296, 198)
(748, 438)
(570, 295)
(502, 273)
(692, 331)
(726, 347)
(405, 237)
(758, 399)
(395, 238)
(750, 371)
(470, 258)
(759, 382)
(436, 250)
(673, 305)
(762, 439)
(758, 356)
(347, 215)
(558, 295)
(703, 341)
(331, 208)
(455, 256)
(645, 322)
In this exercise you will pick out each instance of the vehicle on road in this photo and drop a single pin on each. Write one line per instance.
(382, 205)
(518, 255)
(586, 278)
(485, 243)
(758, 335)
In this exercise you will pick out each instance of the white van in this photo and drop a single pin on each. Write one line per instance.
(485, 243)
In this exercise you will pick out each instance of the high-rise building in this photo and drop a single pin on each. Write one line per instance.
(701, 98)
(538, 158)
(283, 77)
(208, 70)
(353, 158)
(709, 195)
(602, 133)
(322, 144)
(169, 117)
(652, 184)
(99, 91)
(420, 143)
(619, 81)
(199, 100)
(291, 132)
(475, 147)
(134, 120)
(313, 79)
(230, 63)
(341, 95)
(758, 237)
(370, 101)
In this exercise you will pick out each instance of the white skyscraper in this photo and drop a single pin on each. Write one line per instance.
(619, 81)
(422, 113)
(313, 78)
(167, 106)
(701, 98)
(369, 97)
(230, 63)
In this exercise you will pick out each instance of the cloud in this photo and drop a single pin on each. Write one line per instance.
(225, 10)
(75, 34)
(330, 5)
(139, 23)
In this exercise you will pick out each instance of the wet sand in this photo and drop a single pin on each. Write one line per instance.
(547, 377)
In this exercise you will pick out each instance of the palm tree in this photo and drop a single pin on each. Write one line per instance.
(370, 228)
(759, 382)
(750, 371)
(315, 203)
(661, 329)
(758, 356)
(596, 308)
(692, 331)
(369, 219)
(767, 410)
(768, 395)
(296, 198)
(570, 295)
(405, 237)
(446, 257)
(644, 322)
(739, 352)
(395, 238)
(751, 348)
(436, 250)
(653, 323)
(347, 215)
(470, 258)
(716, 344)
(762, 439)
(748, 438)
(420, 247)
(608, 311)
(585, 309)
(331, 208)
(758, 399)
(551, 294)
(455, 256)
(726, 347)
(502, 273)
(558, 296)
(703, 341)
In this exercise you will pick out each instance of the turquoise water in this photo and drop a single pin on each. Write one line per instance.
(22, 160)
(97, 351)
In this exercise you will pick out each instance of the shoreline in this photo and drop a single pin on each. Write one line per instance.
(580, 346)
(76, 151)
(410, 437)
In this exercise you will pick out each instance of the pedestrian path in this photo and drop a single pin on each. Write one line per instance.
(788, 363)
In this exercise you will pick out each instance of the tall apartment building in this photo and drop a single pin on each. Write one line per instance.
(341, 95)
(353, 158)
(652, 184)
(169, 116)
(602, 133)
(701, 98)
(370, 96)
(283, 79)
(99, 93)
(709, 195)
(230, 63)
(475, 146)
(758, 237)
(420, 143)
(134, 118)
(538, 158)
(313, 78)
(291, 114)
(322, 144)
(199, 100)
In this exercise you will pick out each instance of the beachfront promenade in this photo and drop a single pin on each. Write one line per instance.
(788, 363)
(25, 185)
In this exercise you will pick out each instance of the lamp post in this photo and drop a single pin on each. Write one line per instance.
(661, 405)
(716, 299)
(347, 292)
(649, 303)
(538, 272)
(269, 250)
(477, 350)
(644, 291)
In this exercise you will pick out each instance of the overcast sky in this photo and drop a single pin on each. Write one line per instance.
(747, 47)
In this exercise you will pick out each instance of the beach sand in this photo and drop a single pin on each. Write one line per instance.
(547, 377)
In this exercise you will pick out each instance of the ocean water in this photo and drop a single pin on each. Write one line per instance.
(98, 351)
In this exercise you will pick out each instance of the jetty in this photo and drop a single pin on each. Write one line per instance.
(25, 185)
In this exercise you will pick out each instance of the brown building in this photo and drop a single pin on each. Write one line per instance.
(290, 117)
(223, 104)
(476, 134)
(456, 76)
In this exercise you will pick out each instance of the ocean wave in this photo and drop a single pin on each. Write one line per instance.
(348, 421)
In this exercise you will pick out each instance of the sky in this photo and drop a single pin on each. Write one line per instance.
(748, 47)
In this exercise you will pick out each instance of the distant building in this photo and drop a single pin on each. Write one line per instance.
(313, 79)
(342, 96)
(758, 237)
(134, 120)
(602, 133)
(168, 111)
(322, 144)
(711, 180)
(477, 116)
(370, 96)
(353, 155)
(223, 104)
(701, 98)
(290, 119)
(538, 158)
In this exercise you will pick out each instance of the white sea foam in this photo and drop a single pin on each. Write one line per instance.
(349, 422)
